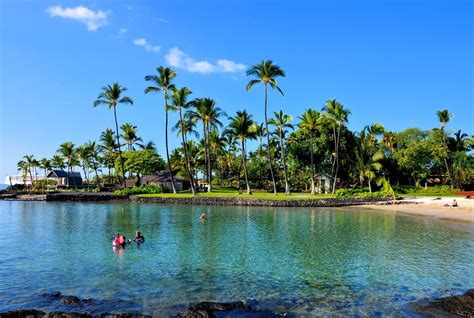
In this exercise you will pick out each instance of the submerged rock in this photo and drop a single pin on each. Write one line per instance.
(460, 305)
(206, 309)
(30, 313)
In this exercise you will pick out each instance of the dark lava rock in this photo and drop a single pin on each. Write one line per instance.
(461, 306)
(206, 309)
(30, 313)
(70, 300)
(123, 315)
(61, 314)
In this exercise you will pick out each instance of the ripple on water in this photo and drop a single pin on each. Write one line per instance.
(313, 262)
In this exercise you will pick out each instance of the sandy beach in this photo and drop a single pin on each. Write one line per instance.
(430, 207)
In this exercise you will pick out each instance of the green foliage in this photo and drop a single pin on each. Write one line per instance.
(144, 189)
(360, 193)
(142, 162)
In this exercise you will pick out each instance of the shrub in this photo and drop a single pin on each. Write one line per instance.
(144, 189)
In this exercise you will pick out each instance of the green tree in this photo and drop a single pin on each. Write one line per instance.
(444, 117)
(309, 125)
(282, 124)
(112, 96)
(208, 113)
(337, 116)
(68, 153)
(243, 127)
(107, 146)
(163, 83)
(129, 134)
(142, 162)
(266, 73)
(179, 101)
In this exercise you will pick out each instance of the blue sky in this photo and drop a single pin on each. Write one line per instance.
(393, 62)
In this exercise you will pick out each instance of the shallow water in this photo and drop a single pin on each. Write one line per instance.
(300, 261)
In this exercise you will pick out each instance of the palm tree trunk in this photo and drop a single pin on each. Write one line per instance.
(446, 160)
(166, 142)
(337, 162)
(244, 160)
(186, 158)
(238, 174)
(313, 188)
(268, 144)
(31, 177)
(209, 165)
(335, 146)
(121, 180)
(287, 186)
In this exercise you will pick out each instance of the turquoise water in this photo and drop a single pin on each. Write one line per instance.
(299, 261)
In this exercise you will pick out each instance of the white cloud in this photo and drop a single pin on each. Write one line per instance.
(179, 59)
(92, 19)
(143, 42)
(120, 33)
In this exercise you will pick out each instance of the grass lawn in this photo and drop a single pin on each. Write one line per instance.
(233, 193)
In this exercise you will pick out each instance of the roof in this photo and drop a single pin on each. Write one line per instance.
(62, 174)
(324, 174)
(162, 176)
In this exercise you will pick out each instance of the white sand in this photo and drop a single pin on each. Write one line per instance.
(429, 206)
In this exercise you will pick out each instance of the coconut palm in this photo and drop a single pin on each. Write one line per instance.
(282, 123)
(179, 101)
(92, 150)
(57, 162)
(444, 117)
(260, 133)
(461, 141)
(46, 165)
(107, 146)
(130, 136)
(243, 127)
(162, 83)
(112, 96)
(208, 113)
(83, 157)
(267, 73)
(23, 167)
(68, 153)
(30, 162)
(309, 125)
(337, 116)
(148, 146)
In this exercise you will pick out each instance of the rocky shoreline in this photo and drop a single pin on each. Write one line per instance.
(217, 201)
(452, 306)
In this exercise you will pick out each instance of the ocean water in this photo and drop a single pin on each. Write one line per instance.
(304, 262)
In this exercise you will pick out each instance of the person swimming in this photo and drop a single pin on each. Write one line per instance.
(139, 238)
(202, 216)
(119, 240)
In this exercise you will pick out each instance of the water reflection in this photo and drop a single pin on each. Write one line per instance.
(307, 261)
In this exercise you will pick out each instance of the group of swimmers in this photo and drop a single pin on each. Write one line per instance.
(120, 239)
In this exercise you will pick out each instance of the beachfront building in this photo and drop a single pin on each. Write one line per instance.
(323, 183)
(65, 179)
(162, 179)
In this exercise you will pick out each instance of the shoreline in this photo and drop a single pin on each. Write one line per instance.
(429, 207)
(421, 206)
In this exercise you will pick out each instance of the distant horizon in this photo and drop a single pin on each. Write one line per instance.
(391, 63)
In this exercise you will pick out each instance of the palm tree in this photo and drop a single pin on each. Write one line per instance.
(130, 136)
(112, 96)
(163, 84)
(281, 123)
(243, 127)
(444, 117)
(23, 167)
(208, 113)
(57, 162)
(92, 150)
(30, 162)
(461, 141)
(68, 153)
(337, 116)
(179, 101)
(148, 146)
(46, 165)
(108, 146)
(83, 157)
(266, 72)
(309, 125)
(260, 133)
